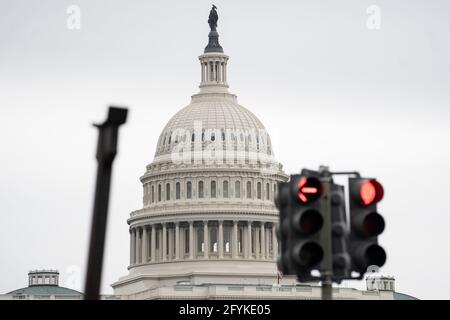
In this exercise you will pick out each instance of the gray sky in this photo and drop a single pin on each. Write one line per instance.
(328, 89)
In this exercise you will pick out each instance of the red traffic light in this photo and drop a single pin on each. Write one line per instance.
(370, 192)
(309, 189)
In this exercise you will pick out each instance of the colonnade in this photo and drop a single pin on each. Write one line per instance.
(208, 239)
(214, 71)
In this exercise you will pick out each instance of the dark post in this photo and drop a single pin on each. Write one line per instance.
(106, 152)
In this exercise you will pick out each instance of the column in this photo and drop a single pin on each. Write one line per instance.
(274, 242)
(205, 240)
(153, 243)
(203, 71)
(136, 247)
(144, 245)
(208, 71)
(225, 72)
(170, 244)
(235, 240)
(132, 242)
(249, 240)
(164, 242)
(219, 69)
(220, 240)
(191, 239)
(263, 241)
(257, 229)
(160, 252)
(177, 240)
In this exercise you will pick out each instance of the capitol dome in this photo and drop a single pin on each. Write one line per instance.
(208, 213)
(214, 111)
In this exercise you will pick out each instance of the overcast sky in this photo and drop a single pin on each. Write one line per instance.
(329, 89)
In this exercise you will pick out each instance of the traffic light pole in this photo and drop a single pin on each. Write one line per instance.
(327, 288)
(327, 271)
(106, 152)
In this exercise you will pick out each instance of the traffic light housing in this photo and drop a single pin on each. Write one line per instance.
(366, 224)
(339, 232)
(303, 225)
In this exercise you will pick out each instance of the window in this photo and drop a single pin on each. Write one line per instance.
(274, 190)
(249, 190)
(213, 239)
(193, 137)
(227, 237)
(213, 136)
(177, 191)
(153, 194)
(189, 190)
(200, 189)
(168, 191)
(186, 241)
(225, 189)
(237, 189)
(200, 242)
(258, 190)
(213, 189)
(267, 192)
(159, 192)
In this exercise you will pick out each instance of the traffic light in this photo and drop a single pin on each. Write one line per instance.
(339, 231)
(302, 223)
(365, 224)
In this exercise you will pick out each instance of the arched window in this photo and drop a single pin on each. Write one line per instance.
(213, 189)
(267, 192)
(168, 191)
(223, 135)
(153, 194)
(213, 136)
(170, 138)
(177, 191)
(193, 137)
(258, 190)
(237, 189)
(274, 190)
(225, 189)
(189, 190)
(159, 192)
(249, 190)
(200, 189)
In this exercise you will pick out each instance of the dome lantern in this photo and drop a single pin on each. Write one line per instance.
(213, 62)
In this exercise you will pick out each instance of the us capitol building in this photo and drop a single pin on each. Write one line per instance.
(207, 226)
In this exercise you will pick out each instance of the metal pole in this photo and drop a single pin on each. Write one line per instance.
(106, 152)
(327, 288)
